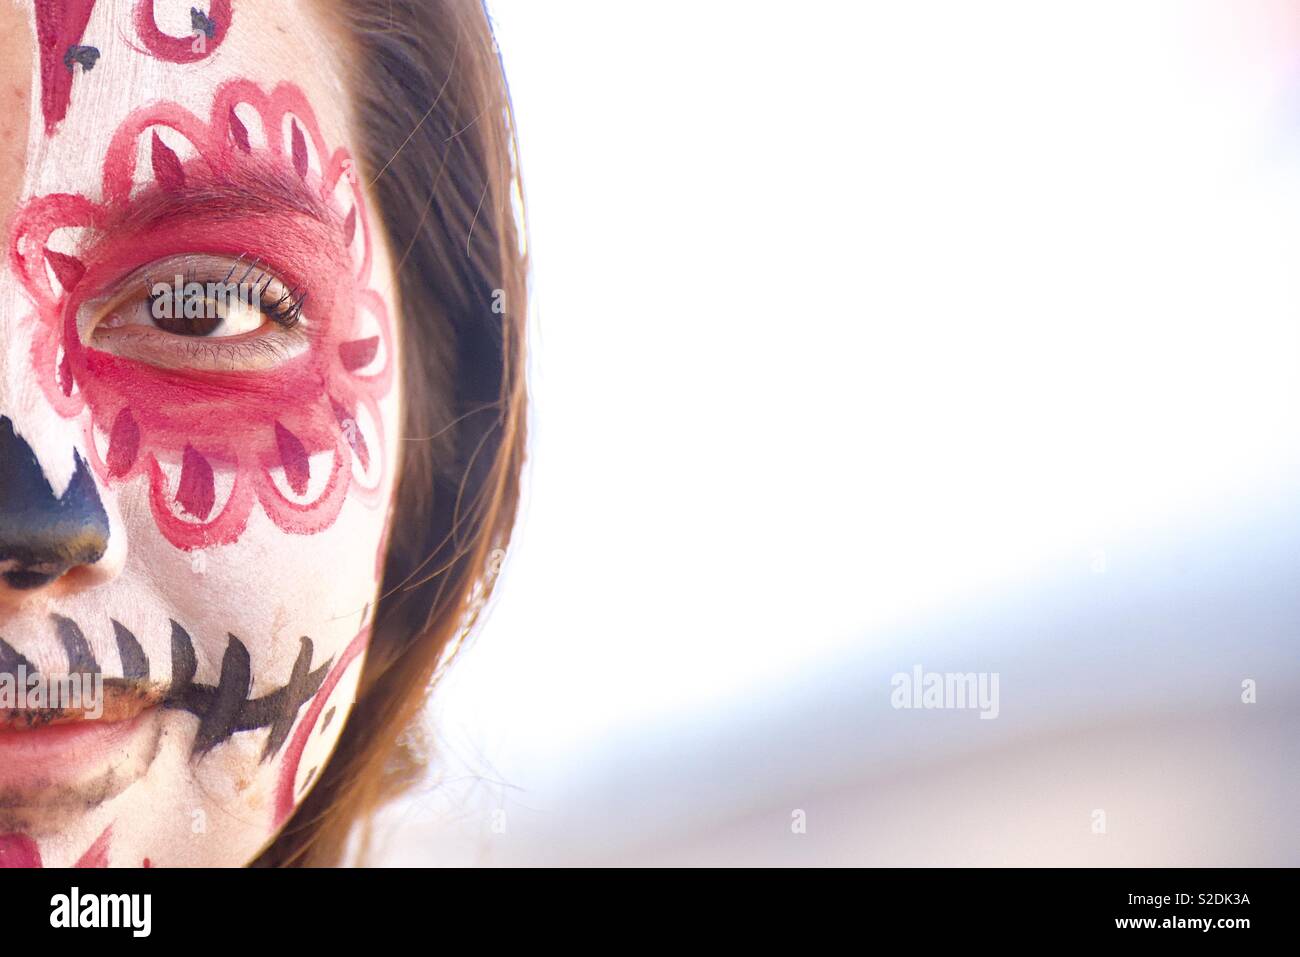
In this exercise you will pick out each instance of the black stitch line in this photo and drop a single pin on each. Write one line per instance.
(11, 661)
(184, 664)
(217, 723)
(81, 660)
(218, 720)
(135, 664)
(224, 710)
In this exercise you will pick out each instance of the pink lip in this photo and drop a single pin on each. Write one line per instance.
(62, 753)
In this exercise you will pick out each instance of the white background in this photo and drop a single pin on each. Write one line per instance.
(870, 335)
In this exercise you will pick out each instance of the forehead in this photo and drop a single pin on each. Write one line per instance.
(75, 71)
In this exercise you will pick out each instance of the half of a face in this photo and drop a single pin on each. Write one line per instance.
(198, 413)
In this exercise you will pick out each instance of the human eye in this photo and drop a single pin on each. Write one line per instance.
(201, 312)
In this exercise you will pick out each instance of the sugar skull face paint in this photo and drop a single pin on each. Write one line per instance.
(198, 404)
(213, 404)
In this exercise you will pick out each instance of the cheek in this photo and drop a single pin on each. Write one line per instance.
(230, 774)
(270, 587)
(272, 590)
(239, 778)
(317, 733)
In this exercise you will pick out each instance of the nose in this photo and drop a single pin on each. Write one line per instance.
(43, 536)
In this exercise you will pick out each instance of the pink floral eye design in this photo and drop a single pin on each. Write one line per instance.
(269, 397)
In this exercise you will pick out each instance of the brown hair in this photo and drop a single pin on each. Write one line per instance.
(439, 148)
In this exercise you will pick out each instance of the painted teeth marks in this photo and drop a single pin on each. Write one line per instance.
(279, 709)
(217, 721)
(184, 664)
(135, 665)
(81, 660)
(223, 710)
(11, 661)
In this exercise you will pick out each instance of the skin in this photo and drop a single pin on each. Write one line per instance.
(246, 494)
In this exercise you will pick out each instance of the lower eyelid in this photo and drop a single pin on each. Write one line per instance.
(263, 347)
(249, 352)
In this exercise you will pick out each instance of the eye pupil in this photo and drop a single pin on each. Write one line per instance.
(246, 317)
(184, 314)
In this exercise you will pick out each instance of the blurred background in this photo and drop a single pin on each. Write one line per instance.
(870, 336)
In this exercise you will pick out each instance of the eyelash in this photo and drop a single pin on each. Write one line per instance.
(169, 338)
(285, 311)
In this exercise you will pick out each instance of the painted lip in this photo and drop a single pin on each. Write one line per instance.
(122, 700)
(35, 758)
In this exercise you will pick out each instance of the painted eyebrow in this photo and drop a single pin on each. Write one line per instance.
(254, 187)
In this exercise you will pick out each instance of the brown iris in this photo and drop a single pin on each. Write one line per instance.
(185, 314)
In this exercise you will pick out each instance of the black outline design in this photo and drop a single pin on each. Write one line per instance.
(86, 56)
(200, 22)
(43, 535)
(224, 709)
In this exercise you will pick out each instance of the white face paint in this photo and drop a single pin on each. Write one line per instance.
(193, 500)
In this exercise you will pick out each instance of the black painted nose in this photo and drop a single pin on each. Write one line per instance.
(41, 535)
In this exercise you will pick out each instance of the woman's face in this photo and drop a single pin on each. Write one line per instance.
(198, 410)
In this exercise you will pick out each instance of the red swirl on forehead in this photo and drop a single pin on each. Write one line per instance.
(60, 25)
(186, 49)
